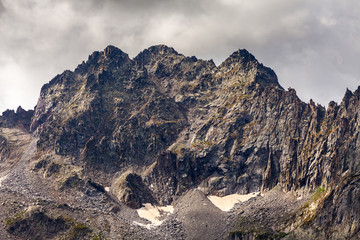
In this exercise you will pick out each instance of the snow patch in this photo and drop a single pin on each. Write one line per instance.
(226, 203)
(153, 214)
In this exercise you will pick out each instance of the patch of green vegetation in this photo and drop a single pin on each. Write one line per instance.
(318, 193)
(99, 236)
(203, 144)
(234, 234)
(192, 86)
(17, 217)
(250, 228)
(316, 196)
(177, 149)
(256, 235)
(159, 122)
(281, 235)
(246, 97)
(78, 230)
(213, 118)
(80, 226)
(250, 124)
(78, 233)
(306, 211)
(174, 121)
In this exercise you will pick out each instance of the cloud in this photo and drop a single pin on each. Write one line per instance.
(2, 8)
(312, 45)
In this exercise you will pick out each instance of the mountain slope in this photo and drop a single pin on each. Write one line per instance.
(156, 127)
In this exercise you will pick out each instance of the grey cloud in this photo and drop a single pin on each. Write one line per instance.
(2, 8)
(312, 45)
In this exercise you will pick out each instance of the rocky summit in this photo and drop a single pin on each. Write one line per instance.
(165, 146)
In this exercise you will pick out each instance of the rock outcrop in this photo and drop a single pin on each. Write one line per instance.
(21, 118)
(132, 191)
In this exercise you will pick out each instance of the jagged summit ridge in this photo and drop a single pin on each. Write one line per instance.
(241, 55)
(161, 49)
(114, 58)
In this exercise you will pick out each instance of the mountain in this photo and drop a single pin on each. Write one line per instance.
(117, 133)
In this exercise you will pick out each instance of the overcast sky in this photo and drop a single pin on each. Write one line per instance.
(313, 46)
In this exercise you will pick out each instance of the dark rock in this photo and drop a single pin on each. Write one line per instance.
(72, 182)
(22, 118)
(36, 225)
(42, 164)
(97, 186)
(52, 169)
(133, 192)
(4, 148)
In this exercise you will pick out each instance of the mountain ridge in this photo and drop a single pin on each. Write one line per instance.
(157, 126)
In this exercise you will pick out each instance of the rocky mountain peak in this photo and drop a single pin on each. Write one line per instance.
(171, 71)
(113, 52)
(347, 97)
(112, 58)
(348, 93)
(156, 52)
(241, 56)
(119, 132)
(115, 55)
(162, 49)
(242, 66)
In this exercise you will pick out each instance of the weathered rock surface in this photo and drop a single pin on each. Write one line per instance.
(20, 118)
(36, 224)
(132, 191)
(154, 127)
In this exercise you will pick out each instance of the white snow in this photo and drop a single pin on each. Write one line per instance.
(153, 214)
(226, 203)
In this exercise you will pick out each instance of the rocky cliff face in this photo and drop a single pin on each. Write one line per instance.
(107, 112)
(20, 118)
(158, 125)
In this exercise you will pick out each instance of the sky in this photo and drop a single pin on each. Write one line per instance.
(313, 46)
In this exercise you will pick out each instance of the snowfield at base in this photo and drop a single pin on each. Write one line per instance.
(226, 203)
(153, 213)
